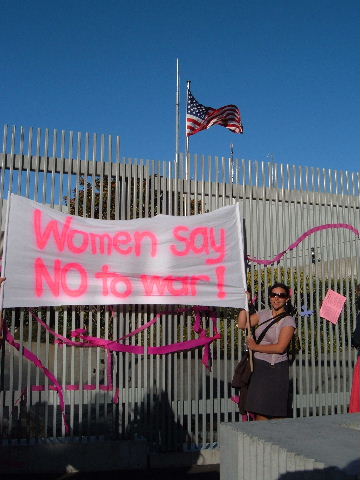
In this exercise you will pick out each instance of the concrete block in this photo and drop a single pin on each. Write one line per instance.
(313, 447)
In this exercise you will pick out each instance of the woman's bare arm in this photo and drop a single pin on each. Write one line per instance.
(254, 319)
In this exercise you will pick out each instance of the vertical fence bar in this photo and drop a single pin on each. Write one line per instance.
(53, 167)
(3, 165)
(12, 159)
(21, 162)
(28, 178)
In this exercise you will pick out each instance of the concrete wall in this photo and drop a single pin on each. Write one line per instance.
(307, 448)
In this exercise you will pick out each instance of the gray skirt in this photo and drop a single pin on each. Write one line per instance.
(268, 391)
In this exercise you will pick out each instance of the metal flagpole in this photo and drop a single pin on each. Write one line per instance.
(187, 146)
(3, 263)
(232, 162)
(177, 153)
(248, 334)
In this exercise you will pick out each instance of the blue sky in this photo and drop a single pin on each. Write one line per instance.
(109, 66)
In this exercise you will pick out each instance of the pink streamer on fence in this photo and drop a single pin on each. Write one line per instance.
(327, 226)
(37, 362)
(110, 346)
(203, 340)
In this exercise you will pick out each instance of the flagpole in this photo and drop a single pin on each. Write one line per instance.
(187, 145)
(232, 161)
(177, 142)
(3, 263)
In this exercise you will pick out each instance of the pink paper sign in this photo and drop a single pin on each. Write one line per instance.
(332, 305)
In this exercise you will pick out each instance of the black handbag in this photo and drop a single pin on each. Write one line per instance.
(242, 371)
(242, 374)
(241, 379)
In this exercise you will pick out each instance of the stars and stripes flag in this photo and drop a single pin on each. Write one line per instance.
(199, 117)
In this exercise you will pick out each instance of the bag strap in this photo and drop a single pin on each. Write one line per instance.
(279, 315)
(275, 319)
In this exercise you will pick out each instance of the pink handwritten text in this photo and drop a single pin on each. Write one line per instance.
(200, 240)
(79, 241)
(177, 286)
(112, 281)
(59, 278)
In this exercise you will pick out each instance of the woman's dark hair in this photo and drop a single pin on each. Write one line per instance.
(289, 308)
(279, 285)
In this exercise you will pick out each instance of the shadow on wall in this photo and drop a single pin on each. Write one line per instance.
(350, 472)
(154, 421)
(22, 421)
(36, 420)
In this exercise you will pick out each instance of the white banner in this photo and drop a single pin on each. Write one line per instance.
(52, 258)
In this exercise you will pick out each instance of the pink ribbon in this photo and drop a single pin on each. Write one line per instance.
(37, 362)
(85, 340)
(278, 257)
(203, 340)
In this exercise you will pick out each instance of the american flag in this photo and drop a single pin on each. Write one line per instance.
(199, 117)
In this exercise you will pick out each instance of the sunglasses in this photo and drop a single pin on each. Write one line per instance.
(279, 295)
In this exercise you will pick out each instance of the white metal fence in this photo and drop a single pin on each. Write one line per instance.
(173, 401)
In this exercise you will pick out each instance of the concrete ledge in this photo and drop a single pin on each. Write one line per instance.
(73, 457)
(85, 455)
(184, 459)
(312, 448)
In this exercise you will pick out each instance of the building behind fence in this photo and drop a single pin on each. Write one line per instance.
(173, 401)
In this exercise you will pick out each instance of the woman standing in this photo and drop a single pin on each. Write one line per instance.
(268, 391)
